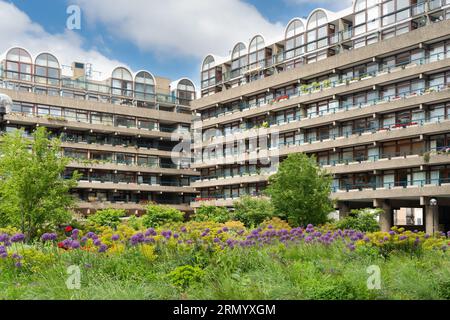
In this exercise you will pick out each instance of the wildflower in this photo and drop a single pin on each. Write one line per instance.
(4, 237)
(115, 237)
(48, 237)
(75, 244)
(150, 232)
(75, 233)
(19, 237)
(90, 235)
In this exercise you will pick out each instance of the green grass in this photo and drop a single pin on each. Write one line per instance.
(273, 272)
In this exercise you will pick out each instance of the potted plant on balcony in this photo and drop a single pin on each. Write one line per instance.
(315, 86)
(304, 89)
(326, 84)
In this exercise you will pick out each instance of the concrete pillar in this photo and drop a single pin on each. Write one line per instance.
(386, 215)
(431, 219)
(344, 210)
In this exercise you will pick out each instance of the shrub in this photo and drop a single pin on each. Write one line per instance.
(158, 215)
(300, 191)
(212, 213)
(184, 276)
(361, 220)
(107, 217)
(252, 211)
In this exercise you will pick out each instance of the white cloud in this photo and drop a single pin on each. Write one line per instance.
(179, 27)
(333, 5)
(19, 30)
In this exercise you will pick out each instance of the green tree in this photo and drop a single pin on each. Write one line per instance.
(364, 220)
(300, 191)
(107, 217)
(158, 215)
(212, 213)
(33, 191)
(252, 211)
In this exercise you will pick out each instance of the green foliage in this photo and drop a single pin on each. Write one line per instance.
(252, 211)
(300, 191)
(184, 276)
(33, 191)
(135, 223)
(212, 213)
(158, 215)
(107, 217)
(362, 220)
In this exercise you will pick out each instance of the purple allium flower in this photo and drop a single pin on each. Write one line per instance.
(149, 240)
(189, 242)
(216, 240)
(176, 235)
(97, 242)
(427, 236)
(83, 240)
(269, 226)
(3, 255)
(67, 243)
(49, 237)
(75, 233)
(115, 237)
(90, 235)
(225, 229)
(150, 232)
(18, 264)
(16, 256)
(102, 248)
(75, 244)
(392, 232)
(386, 238)
(19, 237)
(183, 229)
(402, 238)
(4, 237)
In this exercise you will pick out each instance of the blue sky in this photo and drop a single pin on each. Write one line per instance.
(167, 37)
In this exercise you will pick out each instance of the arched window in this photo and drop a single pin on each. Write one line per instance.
(122, 82)
(256, 52)
(317, 36)
(208, 72)
(318, 18)
(295, 39)
(366, 17)
(18, 64)
(238, 60)
(47, 69)
(185, 92)
(144, 86)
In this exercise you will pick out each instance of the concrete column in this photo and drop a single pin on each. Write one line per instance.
(431, 219)
(344, 210)
(385, 216)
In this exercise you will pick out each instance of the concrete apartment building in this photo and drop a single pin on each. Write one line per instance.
(366, 90)
(119, 131)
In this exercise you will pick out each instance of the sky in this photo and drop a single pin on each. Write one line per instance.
(169, 38)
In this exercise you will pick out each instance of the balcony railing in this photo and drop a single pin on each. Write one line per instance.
(327, 84)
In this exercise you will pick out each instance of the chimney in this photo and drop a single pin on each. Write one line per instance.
(79, 70)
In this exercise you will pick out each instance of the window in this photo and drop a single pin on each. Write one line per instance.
(144, 86)
(122, 82)
(238, 60)
(47, 70)
(256, 52)
(18, 64)
(185, 92)
(317, 37)
(208, 72)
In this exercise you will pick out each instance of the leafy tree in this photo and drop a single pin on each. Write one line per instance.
(33, 191)
(212, 213)
(300, 191)
(158, 215)
(364, 220)
(107, 217)
(253, 211)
